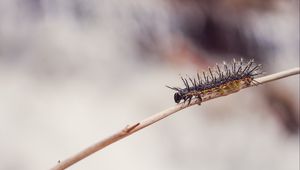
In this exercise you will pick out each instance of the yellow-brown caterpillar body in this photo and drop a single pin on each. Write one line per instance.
(230, 77)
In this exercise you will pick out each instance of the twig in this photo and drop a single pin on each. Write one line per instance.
(130, 129)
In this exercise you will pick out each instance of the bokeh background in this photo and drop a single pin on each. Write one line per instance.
(73, 72)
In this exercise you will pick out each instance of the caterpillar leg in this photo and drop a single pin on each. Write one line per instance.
(185, 99)
(200, 99)
(190, 99)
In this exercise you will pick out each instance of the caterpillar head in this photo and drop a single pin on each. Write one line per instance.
(178, 97)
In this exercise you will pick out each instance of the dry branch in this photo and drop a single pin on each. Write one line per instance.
(130, 129)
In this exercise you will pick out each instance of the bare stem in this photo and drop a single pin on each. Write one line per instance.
(130, 129)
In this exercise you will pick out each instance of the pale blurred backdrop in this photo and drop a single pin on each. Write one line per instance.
(73, 72)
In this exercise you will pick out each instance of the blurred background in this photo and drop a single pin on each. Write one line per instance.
(73, 72)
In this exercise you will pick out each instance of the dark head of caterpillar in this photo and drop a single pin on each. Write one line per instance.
(219, 79)
(178, 97)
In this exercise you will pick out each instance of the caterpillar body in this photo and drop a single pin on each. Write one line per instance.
(219, 79)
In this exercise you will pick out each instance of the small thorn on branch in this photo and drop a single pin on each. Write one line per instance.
(129, 128)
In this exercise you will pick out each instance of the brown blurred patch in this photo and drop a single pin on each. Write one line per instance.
(222, 27)
(283, 108)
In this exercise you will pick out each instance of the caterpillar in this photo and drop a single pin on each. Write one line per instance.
(230, 77)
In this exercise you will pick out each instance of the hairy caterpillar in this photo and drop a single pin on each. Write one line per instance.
(230, 77)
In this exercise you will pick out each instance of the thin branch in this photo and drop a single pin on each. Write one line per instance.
(130, 129)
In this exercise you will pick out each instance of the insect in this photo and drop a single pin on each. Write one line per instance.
(219, 79)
